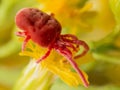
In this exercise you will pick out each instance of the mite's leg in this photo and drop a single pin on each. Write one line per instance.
(27, 38)
(69, 38)
(73, 37)
(68, 55)
(44, 56)
(86, 48)
(21, 34)
(78, 43)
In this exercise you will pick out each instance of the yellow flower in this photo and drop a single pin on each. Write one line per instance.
(54, 63)
(74, 10)
(87, 15)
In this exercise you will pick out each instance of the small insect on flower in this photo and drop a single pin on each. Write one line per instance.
(45, 30)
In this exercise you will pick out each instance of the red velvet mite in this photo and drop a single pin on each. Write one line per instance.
(45, 31)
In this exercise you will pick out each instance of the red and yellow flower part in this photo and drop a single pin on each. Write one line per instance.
(55, 63)
(44, 30)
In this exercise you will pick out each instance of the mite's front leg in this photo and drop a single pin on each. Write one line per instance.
(27, 38)
(21, 34)
(45, 55)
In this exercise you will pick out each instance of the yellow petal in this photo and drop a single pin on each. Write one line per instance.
(55, 63)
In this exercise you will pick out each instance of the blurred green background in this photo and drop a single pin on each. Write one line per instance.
(95, 21)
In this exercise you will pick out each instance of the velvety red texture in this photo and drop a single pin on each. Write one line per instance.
(41, 27)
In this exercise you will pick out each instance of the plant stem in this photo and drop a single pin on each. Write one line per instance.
(34, 77)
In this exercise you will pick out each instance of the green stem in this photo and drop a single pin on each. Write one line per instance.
(100, 47)
(108, 39)
(107, 58)
(34, 77)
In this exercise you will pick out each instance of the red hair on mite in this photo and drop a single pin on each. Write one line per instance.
(45, 30)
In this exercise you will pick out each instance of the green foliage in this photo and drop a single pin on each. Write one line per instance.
(115, 7)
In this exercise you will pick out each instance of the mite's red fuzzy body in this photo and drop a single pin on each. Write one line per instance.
(39, 26)
(45, 30)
